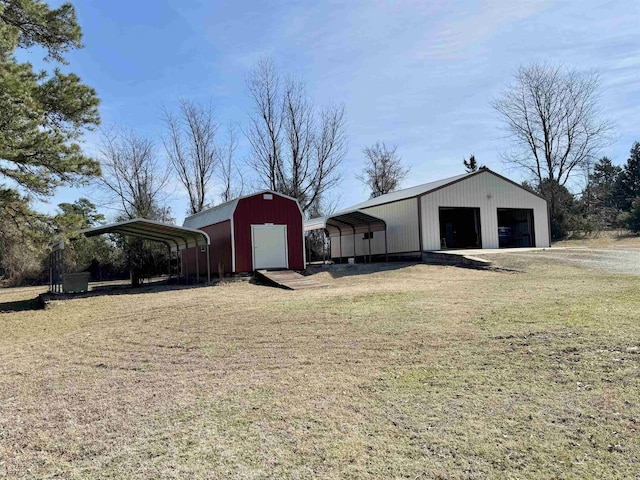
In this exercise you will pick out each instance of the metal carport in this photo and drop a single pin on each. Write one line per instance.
(355, 221)
(174, 237)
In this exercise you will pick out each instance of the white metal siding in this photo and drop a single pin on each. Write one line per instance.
(401, 218)
(402, 226)
(362, 245)
(487, 192)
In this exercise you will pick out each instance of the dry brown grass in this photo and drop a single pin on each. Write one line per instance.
(605, 239)
(414, 372)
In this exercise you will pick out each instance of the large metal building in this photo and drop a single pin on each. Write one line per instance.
(258, 231)
(474, 210)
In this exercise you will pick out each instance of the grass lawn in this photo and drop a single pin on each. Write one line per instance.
(416, 371)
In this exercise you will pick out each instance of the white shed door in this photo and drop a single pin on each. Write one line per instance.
(269, 246)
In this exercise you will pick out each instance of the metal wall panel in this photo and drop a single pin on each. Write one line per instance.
(362, 245)
(219, 253)
(402, 225)
(401, 218)
(487, 192)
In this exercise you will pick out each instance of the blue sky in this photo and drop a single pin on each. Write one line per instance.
(418, 74)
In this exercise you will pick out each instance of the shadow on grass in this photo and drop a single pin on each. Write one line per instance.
(339, 270)
(20, 305)
(105, 289)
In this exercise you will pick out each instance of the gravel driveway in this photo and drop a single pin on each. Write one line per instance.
(614, 260)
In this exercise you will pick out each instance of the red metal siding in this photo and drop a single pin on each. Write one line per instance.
(220, 251)
(256, 210)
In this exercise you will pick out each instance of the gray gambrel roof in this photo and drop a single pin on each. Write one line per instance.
(213, 215)
(224, 211)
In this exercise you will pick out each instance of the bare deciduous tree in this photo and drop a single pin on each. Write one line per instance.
(132, 176)
(551, 113)
(190, 146)
(135, 180)
(383, 171)
(294, 149)
(230, 175)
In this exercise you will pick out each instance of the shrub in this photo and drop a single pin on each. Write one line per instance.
(632, 218)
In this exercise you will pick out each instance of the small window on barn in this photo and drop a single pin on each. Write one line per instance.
(203, 248)
(268, 196)
(367, 235)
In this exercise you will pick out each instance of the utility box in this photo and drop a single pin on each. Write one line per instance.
(75, 282)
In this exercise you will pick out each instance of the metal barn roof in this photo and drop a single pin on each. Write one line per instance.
(212, 215)
(173, 235)
(322, 222)
(224, 211)
(408, 192)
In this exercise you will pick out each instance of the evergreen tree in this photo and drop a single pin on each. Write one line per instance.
(24, 237)
(632, 219)
(98, 255)
(627, 187)
(470, 165)
(598, 196)
(42, 114)
(561, 207)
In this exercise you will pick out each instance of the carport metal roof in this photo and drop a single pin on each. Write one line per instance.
(354, 221)
(347, 223)
(174, 237)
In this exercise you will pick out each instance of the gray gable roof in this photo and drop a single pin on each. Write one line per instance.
(408, 192)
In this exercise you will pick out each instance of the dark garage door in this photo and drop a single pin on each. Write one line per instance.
(460, 227)
(515, 227)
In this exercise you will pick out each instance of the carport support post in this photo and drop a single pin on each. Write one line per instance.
(197, 264)
(325, 234)
(369, 228)
(186, 263)
(386, 251)
(306, 245)
(354, 243)
(169, 257)
(208, 264)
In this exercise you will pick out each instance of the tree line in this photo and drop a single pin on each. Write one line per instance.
(296, 147)
(552, 116)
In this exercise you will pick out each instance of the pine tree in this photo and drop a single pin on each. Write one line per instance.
(598, 196)
(628, 185)
(470, 165)
(42, 113)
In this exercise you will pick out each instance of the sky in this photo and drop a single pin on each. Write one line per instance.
(416, 74)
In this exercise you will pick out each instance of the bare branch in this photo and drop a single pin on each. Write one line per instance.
(230, 175)
(132, 177)
(190, 146)
(294, 149)
(551, 114)
(383, 172)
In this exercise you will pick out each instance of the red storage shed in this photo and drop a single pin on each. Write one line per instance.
(258, 231)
